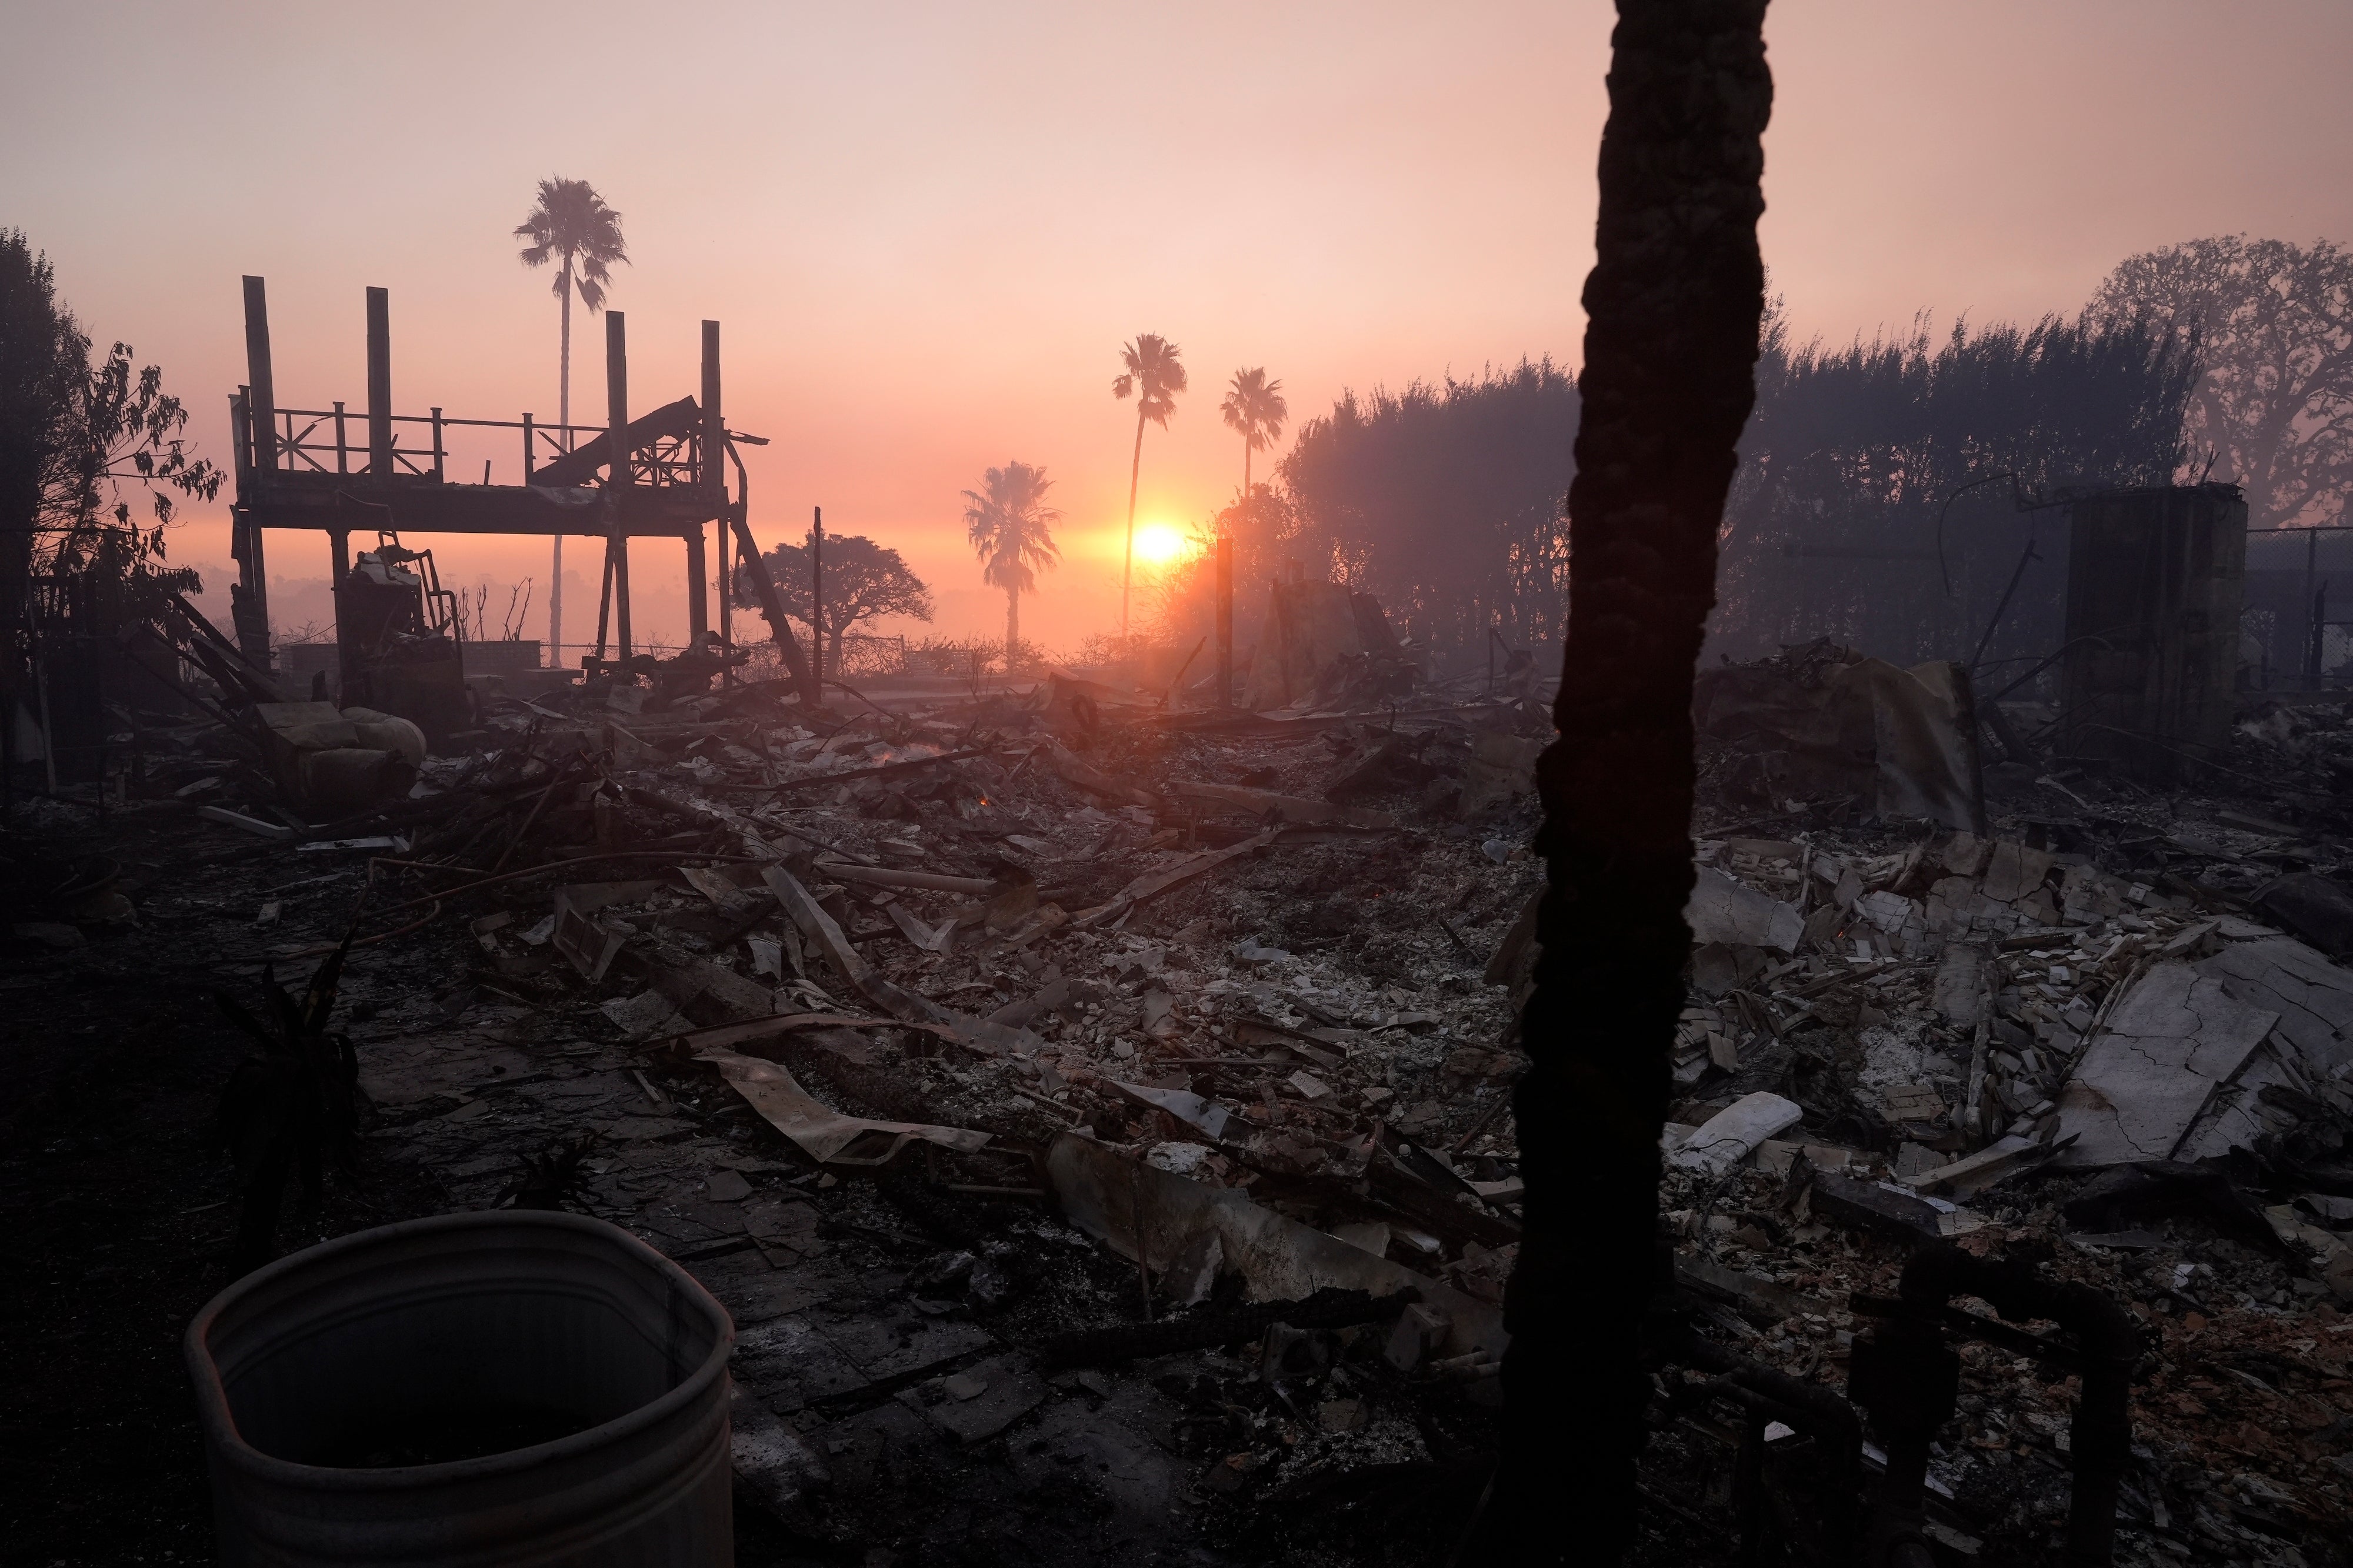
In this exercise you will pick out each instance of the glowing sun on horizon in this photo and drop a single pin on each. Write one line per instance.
(1156, 545)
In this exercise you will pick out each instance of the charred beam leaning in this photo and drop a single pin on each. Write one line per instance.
(251, 618)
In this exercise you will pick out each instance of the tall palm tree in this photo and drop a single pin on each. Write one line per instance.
(570, 226)
(1012, 531)
(1154, 375)
(1254, 409)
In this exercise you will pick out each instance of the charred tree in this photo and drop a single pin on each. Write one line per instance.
(1673, 308)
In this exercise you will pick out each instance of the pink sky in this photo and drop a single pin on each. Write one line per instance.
(928, 228)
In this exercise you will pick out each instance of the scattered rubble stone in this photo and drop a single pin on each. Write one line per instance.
(942, 1034)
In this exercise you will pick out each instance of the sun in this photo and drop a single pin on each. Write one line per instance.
(1156, 543)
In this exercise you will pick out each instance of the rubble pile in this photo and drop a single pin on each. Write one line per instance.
(1070, 1094)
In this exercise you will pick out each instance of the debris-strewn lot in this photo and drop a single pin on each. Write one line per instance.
(1095, 1116)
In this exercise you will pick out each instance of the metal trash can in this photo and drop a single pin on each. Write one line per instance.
(504, 1388)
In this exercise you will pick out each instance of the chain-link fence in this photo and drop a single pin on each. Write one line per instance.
(862, 654)
(2296, 629)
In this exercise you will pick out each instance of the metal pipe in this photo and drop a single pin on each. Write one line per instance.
(1809, 1408)
(1909, 1382)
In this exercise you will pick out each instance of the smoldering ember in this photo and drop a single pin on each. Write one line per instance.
(1742, 956)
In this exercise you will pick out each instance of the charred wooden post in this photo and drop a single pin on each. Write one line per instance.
(726, 602)
(764, 591)
(621, 595)
(1672, 308)
(379, 383)
(698, 591)
(616, 472)
(604, 604)
(712, 475)
(251, 606)
(262, 393)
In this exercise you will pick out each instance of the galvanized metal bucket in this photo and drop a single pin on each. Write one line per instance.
(505, 1388)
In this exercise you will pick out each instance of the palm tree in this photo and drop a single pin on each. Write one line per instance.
(1673, 308)
(572, 227)
(1254, 409)
(1012, 533)
(1154, 375)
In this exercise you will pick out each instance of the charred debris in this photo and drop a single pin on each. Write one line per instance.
(1100, 1101)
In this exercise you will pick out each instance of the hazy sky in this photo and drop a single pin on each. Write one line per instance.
(928, 228)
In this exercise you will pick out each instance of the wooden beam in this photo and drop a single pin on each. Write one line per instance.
(261, 397)
(621, 592)
(379, 383)
(715, 484)
(698, 589)
(714, 424)
(324, 502)
(605, 603)
(579, 466)
(764, 589)
(617, 467)
(261, 420)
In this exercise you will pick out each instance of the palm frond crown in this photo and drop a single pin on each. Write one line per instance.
(1154, 375)
(1011, 527)
(1254, 409)
(572, 227)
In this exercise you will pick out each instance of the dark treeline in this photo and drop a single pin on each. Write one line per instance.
(1853, 455)
(1446, 500)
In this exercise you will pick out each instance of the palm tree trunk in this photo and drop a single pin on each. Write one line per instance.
(563, 418)
(1673, 307)
(1246, 457)
(1012, 627)
(1135, 471)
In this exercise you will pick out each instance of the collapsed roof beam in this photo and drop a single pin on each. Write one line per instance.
(672, 421)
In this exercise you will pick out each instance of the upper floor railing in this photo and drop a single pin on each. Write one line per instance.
(335, 441)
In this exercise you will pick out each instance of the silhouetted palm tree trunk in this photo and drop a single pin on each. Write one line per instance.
(563, 417)
(1672, 308)
(1134, 472)
(1012, 623)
